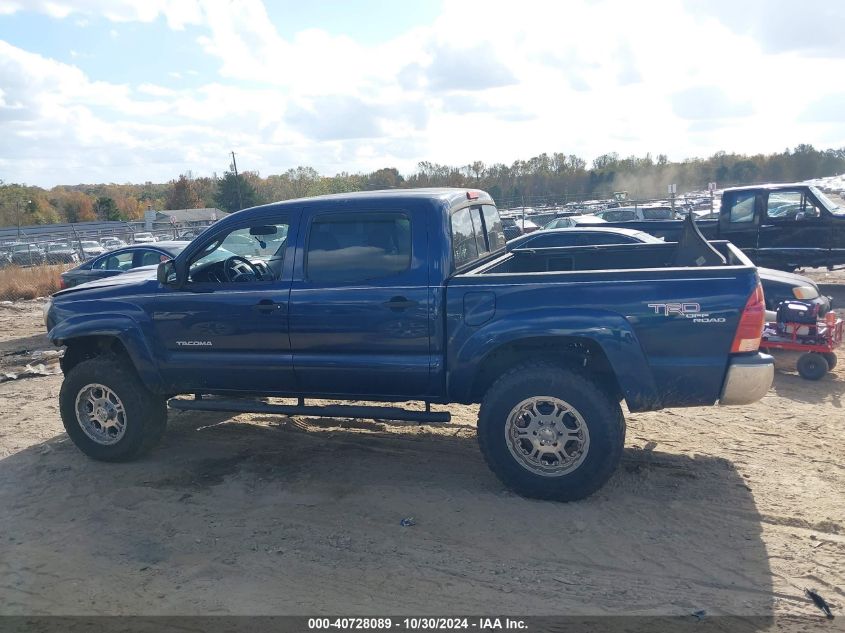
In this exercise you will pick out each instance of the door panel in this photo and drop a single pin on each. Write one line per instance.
(221, 339)
(217, 336)
(360, 321)
(793, 232)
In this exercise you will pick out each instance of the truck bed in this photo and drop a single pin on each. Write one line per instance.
(666, 329)
(598, 258)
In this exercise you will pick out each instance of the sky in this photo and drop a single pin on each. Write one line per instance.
(144, 90)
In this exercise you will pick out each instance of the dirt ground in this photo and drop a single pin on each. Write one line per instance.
(730, 510)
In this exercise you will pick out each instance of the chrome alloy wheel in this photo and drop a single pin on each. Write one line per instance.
(100, 413)
(547, 436)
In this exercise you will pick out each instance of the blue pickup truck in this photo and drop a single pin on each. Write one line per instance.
(411, 295)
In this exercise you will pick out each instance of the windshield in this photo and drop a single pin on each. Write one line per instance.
(828, 204)
(22, 247)
(241, 242)
(90, 245)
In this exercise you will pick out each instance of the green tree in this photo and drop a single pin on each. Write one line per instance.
(107, 209)
(234, 192)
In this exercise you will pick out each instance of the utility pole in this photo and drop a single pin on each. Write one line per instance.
(237, 182)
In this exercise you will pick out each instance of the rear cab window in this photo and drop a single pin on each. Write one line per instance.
(476, 232)
(740, 205)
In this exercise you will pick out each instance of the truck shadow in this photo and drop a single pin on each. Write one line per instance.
(304, 517)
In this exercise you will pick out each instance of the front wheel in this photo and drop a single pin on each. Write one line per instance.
(550, 433)
(812, 366)
(108, 412)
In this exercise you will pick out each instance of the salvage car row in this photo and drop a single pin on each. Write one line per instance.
(65, 251)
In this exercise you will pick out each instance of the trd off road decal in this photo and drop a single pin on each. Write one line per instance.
(689, 310)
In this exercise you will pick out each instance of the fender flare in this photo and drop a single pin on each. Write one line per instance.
(120, 326)
(609, 330)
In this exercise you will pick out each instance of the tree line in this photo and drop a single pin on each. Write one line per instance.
(547, 178)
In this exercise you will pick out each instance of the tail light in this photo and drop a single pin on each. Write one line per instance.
(62, 283)
(830, 319)
(750, 329)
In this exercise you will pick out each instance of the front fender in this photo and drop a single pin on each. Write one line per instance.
(126, 329)
(611, 331)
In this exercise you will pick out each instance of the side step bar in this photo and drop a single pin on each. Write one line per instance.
(329, 411)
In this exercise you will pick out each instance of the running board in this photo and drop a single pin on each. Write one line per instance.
(329, 411)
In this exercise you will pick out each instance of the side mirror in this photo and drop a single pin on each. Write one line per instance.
(166, 274)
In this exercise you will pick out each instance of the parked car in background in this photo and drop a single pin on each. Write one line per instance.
(635, 214)
(191, 233)
(111, 243)
(5, 257)
(61, 253)
(581, 236)
(143, 238)
(516, 226)
(90, 249)
(573, 220)
(121, 260)
(27, 255)
(510, 228)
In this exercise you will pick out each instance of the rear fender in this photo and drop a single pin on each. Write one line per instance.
(610, 331)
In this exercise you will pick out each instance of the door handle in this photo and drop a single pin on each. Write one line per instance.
(400, 303)
(266, 306)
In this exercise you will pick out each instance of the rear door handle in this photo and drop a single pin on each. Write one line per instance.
(400, 303)
(266, 306)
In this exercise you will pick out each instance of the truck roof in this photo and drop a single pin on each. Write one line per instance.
(769, 186)
(450, 195)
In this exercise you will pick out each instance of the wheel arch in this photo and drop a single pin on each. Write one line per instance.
(606, 340)
(107, 336)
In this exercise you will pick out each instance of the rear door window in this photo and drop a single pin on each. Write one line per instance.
(347, 247)
(116, 261)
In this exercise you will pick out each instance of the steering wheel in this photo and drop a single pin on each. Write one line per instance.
(237, 268)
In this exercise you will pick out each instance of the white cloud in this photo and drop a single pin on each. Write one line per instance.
(492, 80)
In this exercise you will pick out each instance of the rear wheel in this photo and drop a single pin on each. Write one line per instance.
(812, 366)
(108, 412)
(550, 433)
(831, 359)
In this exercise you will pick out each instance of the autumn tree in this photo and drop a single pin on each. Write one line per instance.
(386, 178)
(78, 207)
(182, 194)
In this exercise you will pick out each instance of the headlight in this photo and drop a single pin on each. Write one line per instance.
(805, 292)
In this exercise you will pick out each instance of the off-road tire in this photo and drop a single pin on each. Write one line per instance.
(146, 413)
(601, 414)
(831, 359)
(812, 366)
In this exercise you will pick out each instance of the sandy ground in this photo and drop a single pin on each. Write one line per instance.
(730, 510)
